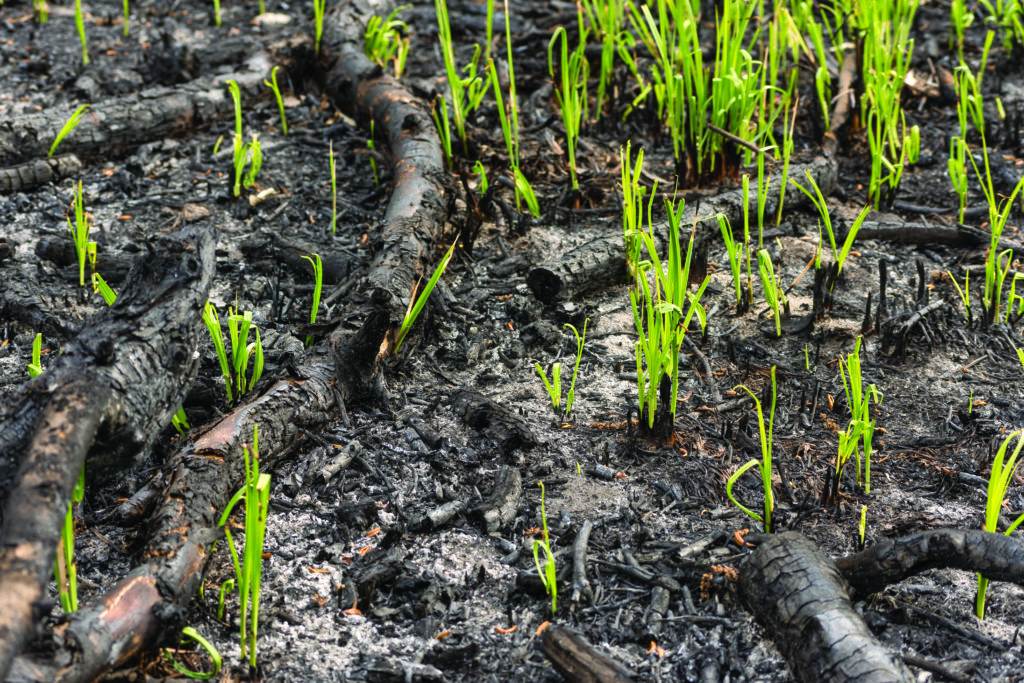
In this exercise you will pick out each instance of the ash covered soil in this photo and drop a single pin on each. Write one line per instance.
(360, 582)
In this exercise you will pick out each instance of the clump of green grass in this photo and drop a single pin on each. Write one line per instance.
(67, 128)
(547, 573)
(319, 8)
(255, 494)
(774, 292)
(384, 40)
(417, 303)
(245, 155)
(606, 18)
(663, 308)
(764, 464)
(238, 379)
(1003, 470)
(465, 93)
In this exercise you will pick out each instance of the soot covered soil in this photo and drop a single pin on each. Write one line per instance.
(359, 583)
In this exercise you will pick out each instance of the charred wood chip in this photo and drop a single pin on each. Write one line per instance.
(493, 420)
(500, 507)
(381, 670)
(578, 661)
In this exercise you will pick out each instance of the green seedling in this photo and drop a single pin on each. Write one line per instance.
(735, 252)
(35, 367)
(465, 93)
(272, 84)
(206, 646)
(956, 167)
(318, 283)
(439, 112)
(65, 570)
(126, 14)
(963, 292)
(632, 204)
(663, 307)
(787, 153)
(765, 434)
(243, 154)
(216, 13)
(41, 9)
(807, 358)
(1020, 355)
(417, 302)
(1003, 470)
(235, 369)
(862, 526)
(861, 428)
(80, 28)
(1009, 16)
(319, 7)
(546, 571)
(384, 40)
(960, 18)
(774, 293)
(371, 148)
(525, 191)
(571, 90)
(333, 166)
(80, 232)
(249, 568)
(481, 178)
(554, 385)
(100, 286)
(225, 588)
(180, 421)
(67, 128)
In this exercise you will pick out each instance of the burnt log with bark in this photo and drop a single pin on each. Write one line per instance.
(578, 661)
(114, 388)
(802, 600)
(123, 122)
(38, 172)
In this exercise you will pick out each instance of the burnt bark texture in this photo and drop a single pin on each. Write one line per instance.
(998, 557)
(38, 172)
(802, 600)
(578, 661)
(113, 389)
(123, 122)
(417, 209)
(601, 263)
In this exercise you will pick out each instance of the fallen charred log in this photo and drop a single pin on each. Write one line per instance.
(578, 661)
(115, 387)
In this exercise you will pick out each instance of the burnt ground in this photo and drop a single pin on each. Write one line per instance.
(356, 587)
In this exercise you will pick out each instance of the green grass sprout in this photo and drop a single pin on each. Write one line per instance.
(481, 175)
(249, 568)
(126, 14)
(206, 646)
(319, 7)
(332, 163)
(65, 569)
(180, 421)
(318, 284)
(417, 302)
(774, 293)
(571, 90)
(765, 434)
(735, 252)
(547, 573)
(606, 18)
(858, 399)
(554, 385)
(384, 40)
(40, 8)
(35, 367)
(225, 587)
(439, 112)
(235, 368)
(999, 481)
(80, 231)
(371, 147)
(100, 286)
(67, 128)
(80, 28)
(216, 13)
(272, 84)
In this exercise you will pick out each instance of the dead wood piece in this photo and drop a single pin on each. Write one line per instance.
(38, 172)
(799, 596)
(500, 507)
(580, 585)
(956, 235)
(998, 557)
(578, 661)
(123, 122)
(417, 209)
(438, 517)
(601, 263)
(495, 421)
